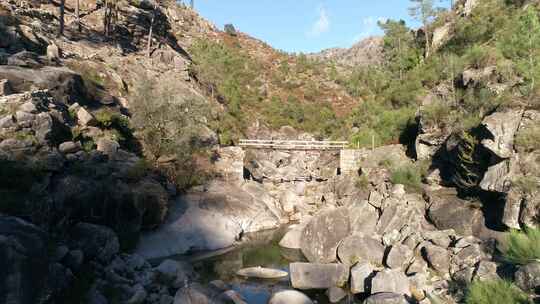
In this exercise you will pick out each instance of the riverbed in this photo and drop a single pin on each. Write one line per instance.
(258, 249)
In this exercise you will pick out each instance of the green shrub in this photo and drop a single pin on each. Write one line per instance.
(495, 292)
(362, 182)
(386, 124)
(528, 139)
(410, 176)
(526, 184)
(139, 170)
(523, 247)
(437, 114)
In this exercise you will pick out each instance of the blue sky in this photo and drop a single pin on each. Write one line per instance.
(305, 25)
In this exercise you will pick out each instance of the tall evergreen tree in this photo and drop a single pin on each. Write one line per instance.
(400, 50)
(424, 11)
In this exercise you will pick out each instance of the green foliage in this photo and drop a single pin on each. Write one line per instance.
(410, 176)
(366, 82)
(488, 17)
(495, 292)
(528, 139)
(467, 172)
(400, 49)
(385, 124)
(313, 117)
(168, 123)
(436, 114)
(139, 170)
(523, 247)
(526, 184)
(229, 74)
(110, 119)
(119, 127)
(522, 44)
(362, 182)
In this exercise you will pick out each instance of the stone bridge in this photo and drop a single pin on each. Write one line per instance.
(232, 159)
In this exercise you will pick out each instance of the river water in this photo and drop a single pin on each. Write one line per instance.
(259, 249)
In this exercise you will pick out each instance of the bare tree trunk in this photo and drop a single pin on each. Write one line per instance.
(106, 19)
(151, 30)
(77, 15)
(428, 43)
(62, 11)
(400, 60)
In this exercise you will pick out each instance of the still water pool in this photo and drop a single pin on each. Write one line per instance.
(260, 249)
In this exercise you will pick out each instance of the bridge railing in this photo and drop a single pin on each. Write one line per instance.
(293, 144)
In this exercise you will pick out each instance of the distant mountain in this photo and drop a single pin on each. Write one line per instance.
(365, 52)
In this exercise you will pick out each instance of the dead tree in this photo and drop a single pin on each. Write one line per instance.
(78, 16)
(149, 46)
(62, 12)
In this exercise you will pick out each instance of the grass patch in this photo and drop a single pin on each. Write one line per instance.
(523, 247)
(410, 176)
(495, 292)
(529, 139)
(362, 182)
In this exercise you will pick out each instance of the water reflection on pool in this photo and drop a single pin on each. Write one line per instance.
(260, 249)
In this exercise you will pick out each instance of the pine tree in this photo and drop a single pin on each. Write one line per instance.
(400, 51)
(529, 34)
(424, 11)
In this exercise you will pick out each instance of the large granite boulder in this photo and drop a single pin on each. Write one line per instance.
(394, 281)
(398, 256)
(207, 220)
(279, 165)
(501, 128)
(96, 242)
(318, 276)
(293, 237)
(64, 84)
(437, 257)
(357, 248)
(23, 260)
(447, 211)
(323, 234)
(528, 277)
(289, 297)
(363, 218)
(361, 275)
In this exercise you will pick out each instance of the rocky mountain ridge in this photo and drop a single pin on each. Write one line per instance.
(366, 52)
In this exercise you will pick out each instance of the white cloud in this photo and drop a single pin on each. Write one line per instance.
(322, 25)
(368, 27)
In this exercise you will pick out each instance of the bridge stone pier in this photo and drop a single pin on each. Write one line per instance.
(349, 159)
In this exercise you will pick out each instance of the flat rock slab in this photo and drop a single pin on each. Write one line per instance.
(206, 221)
(262, 273)
(318, 276)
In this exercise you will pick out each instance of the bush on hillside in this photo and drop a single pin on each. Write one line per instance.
(528, 139)
(495, 292)
(385, 124)
(523, 247)
(169, 125)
